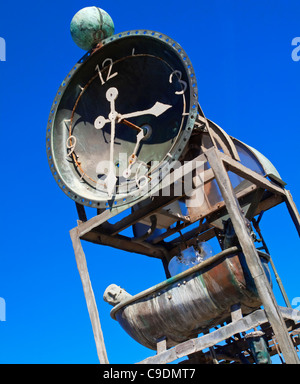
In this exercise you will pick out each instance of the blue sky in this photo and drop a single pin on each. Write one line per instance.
(249, 85)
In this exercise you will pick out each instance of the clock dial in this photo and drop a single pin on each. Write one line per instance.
(122, 115)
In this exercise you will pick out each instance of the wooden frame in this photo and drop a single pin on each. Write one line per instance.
(268, 194)
(239, 325)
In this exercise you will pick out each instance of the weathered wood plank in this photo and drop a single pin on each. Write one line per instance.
(89, 296)
(198, 344)
(236, 312)
(124, 243)
(293, 210)
(95, 221)
(243, 324)
(164, 184)
(250, 175)
(157, 204)
(161, 345)
(268, 203)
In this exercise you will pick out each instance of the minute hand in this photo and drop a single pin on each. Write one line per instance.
(157, 109)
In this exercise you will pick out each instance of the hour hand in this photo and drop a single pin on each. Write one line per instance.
(157, 110)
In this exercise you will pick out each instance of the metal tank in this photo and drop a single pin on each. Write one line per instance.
(191, 302)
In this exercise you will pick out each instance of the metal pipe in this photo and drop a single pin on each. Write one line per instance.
(278, 279)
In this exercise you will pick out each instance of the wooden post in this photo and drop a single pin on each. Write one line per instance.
(254, 264)
(89, 295)
(293, 210)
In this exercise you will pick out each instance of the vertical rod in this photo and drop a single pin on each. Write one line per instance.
(89, 295)
(254, 264)
(81, 212)
(278, 279)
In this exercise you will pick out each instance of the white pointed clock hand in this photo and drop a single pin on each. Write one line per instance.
(157, 110)
(111, 178)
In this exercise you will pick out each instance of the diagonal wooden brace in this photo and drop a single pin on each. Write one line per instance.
(254, 264)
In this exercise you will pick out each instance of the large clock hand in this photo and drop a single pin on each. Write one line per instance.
(157, 109)
(111, 178)
(101, 121)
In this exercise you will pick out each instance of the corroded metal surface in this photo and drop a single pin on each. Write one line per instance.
(186, 304)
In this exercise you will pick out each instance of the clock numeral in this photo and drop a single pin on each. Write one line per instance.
(109, 74)
(143, 180)
(71, 143)
(182, 82)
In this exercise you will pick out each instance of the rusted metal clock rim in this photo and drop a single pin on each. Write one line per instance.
(176, 149)
(156, 288)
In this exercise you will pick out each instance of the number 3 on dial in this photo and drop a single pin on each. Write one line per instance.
(183, 83)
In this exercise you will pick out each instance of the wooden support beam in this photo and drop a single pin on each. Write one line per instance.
(253, 261)
(236, 312)
(243, 324)
(257, 196)
(268, 203)
(161, 345)
(293, 210)
(95, 221)
(89, 295)
(124, 243)
(155, 206)
(250, 175)
(198, 344)
(162, 187)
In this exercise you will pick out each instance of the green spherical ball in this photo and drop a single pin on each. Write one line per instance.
(89, 26)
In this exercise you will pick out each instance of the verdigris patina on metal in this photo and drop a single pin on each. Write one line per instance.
(191, 302)
(259, 347)
(90, 26)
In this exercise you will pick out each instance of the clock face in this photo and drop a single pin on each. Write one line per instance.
(120, 118)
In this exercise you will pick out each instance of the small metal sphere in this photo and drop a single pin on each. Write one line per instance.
(90, 26)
